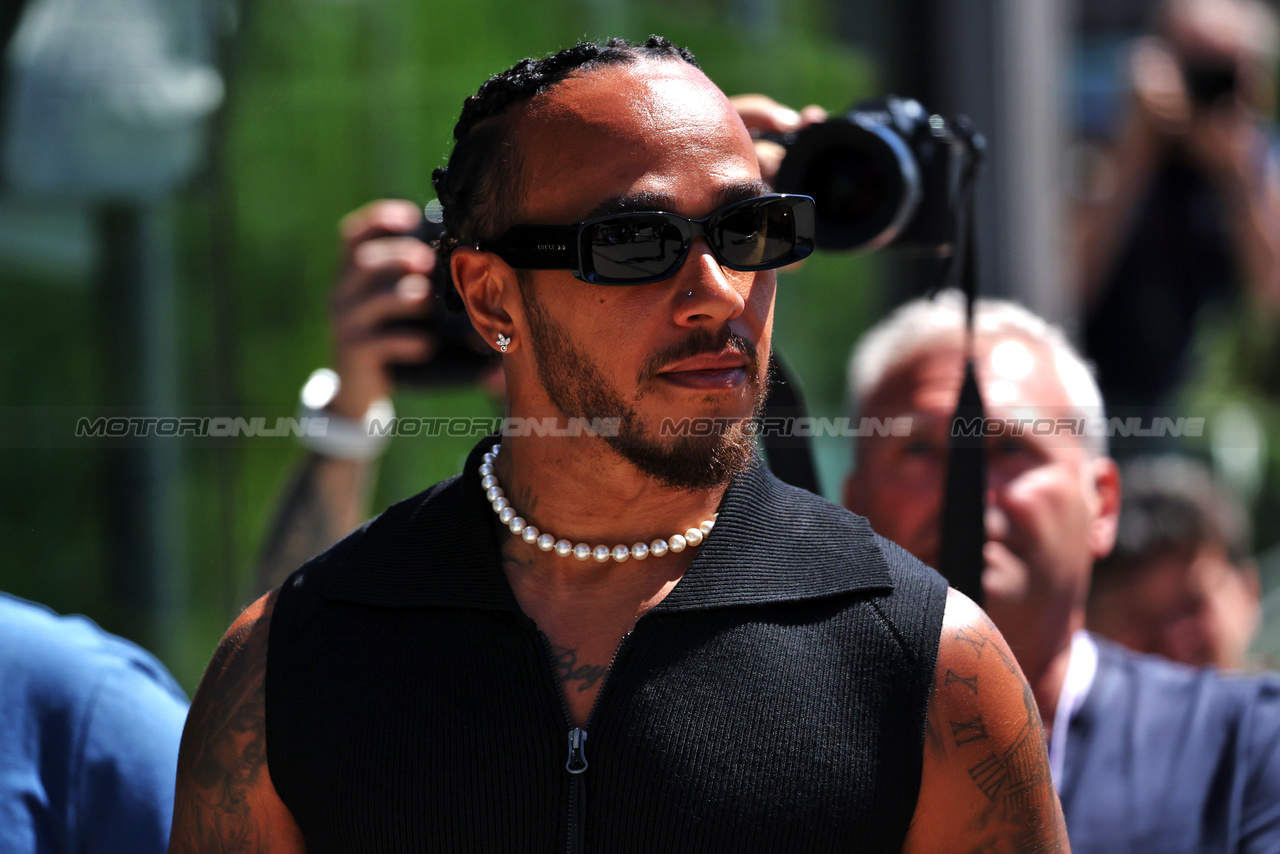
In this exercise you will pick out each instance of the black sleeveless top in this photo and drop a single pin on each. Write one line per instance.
(774, 701)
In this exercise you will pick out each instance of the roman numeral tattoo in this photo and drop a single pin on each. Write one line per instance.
(952, 678)
(990, 774)
(979, 643)
(965, 732)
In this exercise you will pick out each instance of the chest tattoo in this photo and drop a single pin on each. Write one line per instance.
(583, 677)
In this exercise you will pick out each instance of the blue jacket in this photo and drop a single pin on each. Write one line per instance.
(1163, 758)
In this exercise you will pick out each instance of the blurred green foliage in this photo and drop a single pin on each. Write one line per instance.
(332, 103)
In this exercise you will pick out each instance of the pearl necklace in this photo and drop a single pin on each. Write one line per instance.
(548, 542)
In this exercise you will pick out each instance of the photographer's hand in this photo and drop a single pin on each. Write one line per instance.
(383, 276)
(763, 115)
(1161, 105)
(1236, 154)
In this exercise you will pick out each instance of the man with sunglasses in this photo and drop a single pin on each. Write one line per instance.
(622, 637)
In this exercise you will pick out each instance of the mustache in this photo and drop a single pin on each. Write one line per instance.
(700, 341)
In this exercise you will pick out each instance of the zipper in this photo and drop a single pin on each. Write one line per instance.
(577, 751)
(576, 763)
(577, 791)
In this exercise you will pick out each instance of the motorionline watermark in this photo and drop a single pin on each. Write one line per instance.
(962, 427)
(268, 427)
(800, 426)
(1093, 427)
(199, 427)
(125, 427)
(505, 426)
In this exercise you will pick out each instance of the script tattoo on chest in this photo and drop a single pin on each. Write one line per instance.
(583, 676)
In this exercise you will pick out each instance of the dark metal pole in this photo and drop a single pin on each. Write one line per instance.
(145, 581)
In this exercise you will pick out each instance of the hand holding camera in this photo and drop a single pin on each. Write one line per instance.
(768, 120)
(389, 326)
(1199, 90)
(885, 173)
(383, 277)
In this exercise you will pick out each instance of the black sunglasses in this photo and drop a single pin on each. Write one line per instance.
(639, 247)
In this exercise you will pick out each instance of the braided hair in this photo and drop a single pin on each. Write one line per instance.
(480, 188)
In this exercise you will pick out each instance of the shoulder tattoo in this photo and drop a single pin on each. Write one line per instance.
(223, 754)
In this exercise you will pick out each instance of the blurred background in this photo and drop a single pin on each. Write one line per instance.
(174, 170)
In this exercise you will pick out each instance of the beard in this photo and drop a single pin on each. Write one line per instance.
(578, 389)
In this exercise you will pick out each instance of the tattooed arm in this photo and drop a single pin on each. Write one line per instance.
(985, 787)
(326, 500)
(225, 800)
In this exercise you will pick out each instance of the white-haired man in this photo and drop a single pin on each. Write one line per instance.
(1147, 756)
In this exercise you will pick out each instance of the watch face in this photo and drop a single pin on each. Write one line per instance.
(320, 388)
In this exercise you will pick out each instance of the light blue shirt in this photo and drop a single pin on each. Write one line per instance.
(89, 732)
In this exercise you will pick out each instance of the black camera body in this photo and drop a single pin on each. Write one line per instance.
(886, 173)
(1208, 81)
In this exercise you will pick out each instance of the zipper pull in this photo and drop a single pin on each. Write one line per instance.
(577, 751)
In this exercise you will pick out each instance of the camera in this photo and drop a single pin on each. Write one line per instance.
(886, 173)
(1208, 81)
(459, 356)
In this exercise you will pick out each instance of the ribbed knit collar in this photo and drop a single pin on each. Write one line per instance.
(772, 543)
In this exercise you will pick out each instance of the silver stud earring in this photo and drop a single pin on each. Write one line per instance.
(503, 342)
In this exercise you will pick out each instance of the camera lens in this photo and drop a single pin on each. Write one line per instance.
(864, 181)
(1209, 81)
(853, 187)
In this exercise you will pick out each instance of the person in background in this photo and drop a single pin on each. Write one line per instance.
(1181, 581)
(1181, 209)
(89, 733)
(1147, 755)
